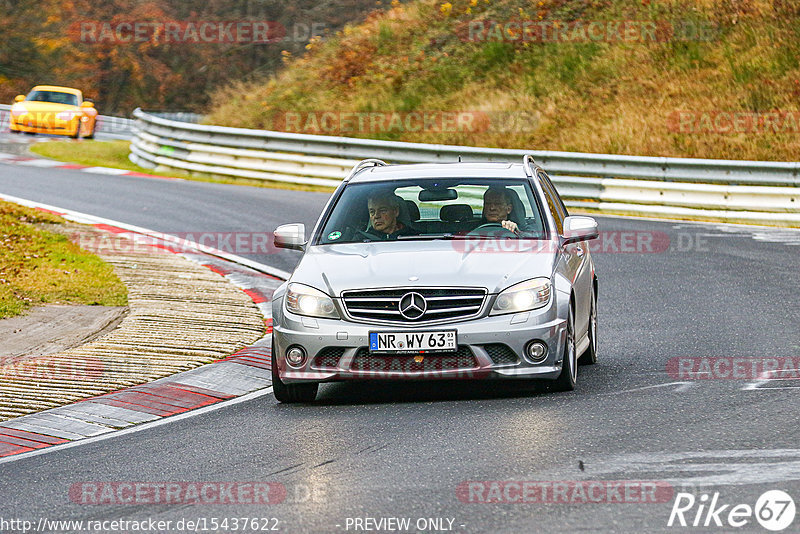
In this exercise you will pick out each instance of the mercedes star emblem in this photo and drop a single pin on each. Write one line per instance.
(412, 306)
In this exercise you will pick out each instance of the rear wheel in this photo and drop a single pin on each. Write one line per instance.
(590, 356)
(290, 393)
(569, 368)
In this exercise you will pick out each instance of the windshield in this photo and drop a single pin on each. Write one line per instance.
(55, 97)
(434, 208)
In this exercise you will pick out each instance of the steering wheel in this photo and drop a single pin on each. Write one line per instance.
(367, 235)
(492, 229)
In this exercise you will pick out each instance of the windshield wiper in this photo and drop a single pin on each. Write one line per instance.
(425, 237)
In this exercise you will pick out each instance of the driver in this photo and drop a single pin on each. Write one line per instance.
(384, 210)
(497, 206)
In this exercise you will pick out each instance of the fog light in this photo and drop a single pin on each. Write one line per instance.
(536, 351)
(296, 356)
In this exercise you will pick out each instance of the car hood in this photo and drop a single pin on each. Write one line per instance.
(31, 106)
(491, 264)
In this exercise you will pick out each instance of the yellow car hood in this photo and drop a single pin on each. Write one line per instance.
(32, 106)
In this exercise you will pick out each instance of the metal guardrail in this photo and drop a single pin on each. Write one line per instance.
(752, 191)
(114, 127)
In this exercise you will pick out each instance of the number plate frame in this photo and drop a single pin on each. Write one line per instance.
(401, 335)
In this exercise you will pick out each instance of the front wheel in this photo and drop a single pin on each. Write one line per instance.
(569, 368)
(290, 393)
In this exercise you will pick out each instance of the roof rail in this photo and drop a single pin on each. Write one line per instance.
(528, 163)
(365, 163)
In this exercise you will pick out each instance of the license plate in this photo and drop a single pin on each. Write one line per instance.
(430, 341)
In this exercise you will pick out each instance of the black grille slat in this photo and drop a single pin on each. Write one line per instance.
(328, 358)
(501, 354)
(461, 358)
(442, 303)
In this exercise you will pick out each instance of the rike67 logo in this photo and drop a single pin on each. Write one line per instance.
(774, 510)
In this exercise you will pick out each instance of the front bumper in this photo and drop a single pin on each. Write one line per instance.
(513, 330)
(44, 125)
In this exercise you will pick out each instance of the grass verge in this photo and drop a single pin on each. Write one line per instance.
(40, 267)
(115, 154)
(674, 93)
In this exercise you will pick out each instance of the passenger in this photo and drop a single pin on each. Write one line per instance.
(384, 213)
(497, 206)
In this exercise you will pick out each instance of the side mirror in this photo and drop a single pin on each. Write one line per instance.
(291, 236)
(87, 104)
(19, 98)
(578, 228)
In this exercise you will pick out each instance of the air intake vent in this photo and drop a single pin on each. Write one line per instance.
(501, 354)
(328, 358)
(462, 358)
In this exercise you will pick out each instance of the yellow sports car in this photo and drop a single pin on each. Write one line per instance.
(53, 110)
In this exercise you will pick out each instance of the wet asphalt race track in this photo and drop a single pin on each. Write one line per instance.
(430, 452)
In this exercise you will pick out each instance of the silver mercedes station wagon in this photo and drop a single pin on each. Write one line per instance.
(437, 271)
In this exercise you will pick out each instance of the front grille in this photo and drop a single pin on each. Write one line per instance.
(328, 358)
(441, 304)
(501, 354)
(461, 358)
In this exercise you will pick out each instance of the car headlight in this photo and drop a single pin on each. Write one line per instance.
(18, 110)
(305, 300)
(521, 297)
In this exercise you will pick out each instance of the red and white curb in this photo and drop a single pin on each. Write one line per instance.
(30, 161)
(243, 373)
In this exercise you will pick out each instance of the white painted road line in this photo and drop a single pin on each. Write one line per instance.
(102, 170)
(144, 426)
(40, 163)
(681, 386)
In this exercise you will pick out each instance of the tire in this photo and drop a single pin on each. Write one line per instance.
(290, 393)
(90, 136)
(589, 357)
(569, 369)
(14, 131)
